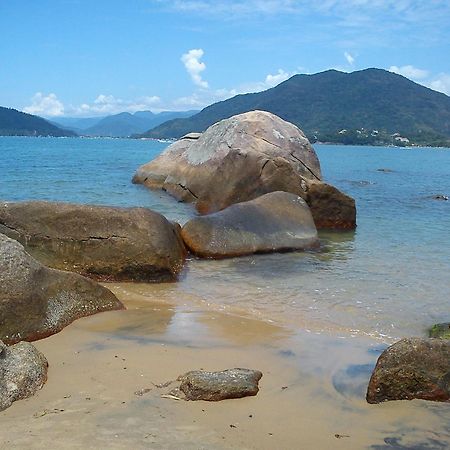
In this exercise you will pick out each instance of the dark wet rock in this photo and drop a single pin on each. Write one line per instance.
(412, 368)
(36, 302)
(215, 386)
(330, 207)
(278, 221)
(122, 244)
(23, 371)
(440, 197)
(235, 160)
(440, 330)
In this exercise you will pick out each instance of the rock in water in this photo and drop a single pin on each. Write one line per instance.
(122, 244)
(412, 368)
(440, 330)
(235, 160)
(278, 221)
(215, 386)
(36, 302)
(23, 371)
(330, 207)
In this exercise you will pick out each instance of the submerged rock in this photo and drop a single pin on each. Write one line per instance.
(23, 371)
(330, 207)
(440, 330)
(215, 386)
(412, 368)
(278, 221)
(36, 302)
(235, 160)
(122, 244)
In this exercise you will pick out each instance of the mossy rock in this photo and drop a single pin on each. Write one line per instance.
(440, 330)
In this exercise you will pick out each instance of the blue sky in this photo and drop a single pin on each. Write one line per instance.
(98, 57)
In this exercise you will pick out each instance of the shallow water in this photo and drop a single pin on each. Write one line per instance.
(386, 280)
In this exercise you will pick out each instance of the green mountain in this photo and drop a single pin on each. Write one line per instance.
(16, 123)
(371, 106)
(126, 124)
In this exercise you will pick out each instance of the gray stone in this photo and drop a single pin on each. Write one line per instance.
(278, 221)
(121, 244)
(36, 302)
(23, 371)
(215, 386)
(412, 368)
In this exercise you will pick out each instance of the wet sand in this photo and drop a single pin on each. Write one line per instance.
(311, 394)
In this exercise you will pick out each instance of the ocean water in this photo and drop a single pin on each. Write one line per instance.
(386, 280)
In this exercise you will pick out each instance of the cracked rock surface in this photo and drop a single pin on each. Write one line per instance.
(234, 160)
(36, 302)
(23, 371)
(105, 243)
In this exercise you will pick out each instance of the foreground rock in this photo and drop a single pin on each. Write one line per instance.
(123, 244)
(36, 302)
(23, 371)
(412, 368)
(278, 221)
(440, 330)
(215, 386)
(330, 207)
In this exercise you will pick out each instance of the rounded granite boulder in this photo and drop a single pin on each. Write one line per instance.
(278, 221)
(104, 243)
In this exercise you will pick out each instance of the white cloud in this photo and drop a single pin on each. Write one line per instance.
(350, 59)
(277, 78)
(195, 67)
(45, 105)
(108, 104)
(441, 83)
(410, 72)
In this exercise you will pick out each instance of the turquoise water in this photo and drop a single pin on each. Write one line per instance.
(386, 280)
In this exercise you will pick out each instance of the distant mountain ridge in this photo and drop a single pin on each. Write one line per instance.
(367, 106)
(124, 124)
(17, 123)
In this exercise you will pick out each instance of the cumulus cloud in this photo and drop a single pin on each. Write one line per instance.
(410, 72)
(108, 104)
(277, 78)
(45, 105)
(195, 67)
(350, 59)
(441, 83)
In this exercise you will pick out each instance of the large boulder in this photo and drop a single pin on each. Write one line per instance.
(216, 386)
(122, 244)
(235, 160)
(412, 368)
(278, 221)
(23, 371)
(36, 302)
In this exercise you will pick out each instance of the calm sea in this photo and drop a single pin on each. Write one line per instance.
(388, 279)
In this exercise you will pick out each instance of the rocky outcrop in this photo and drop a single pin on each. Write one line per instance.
(440, 330)
(122, 244)
(36, 302)
(330, 207)
(236, 160)
(216, 386)
(278, 221)
(412, 368)
(23, 371)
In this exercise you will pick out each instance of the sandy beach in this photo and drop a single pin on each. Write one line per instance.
(106, 371)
